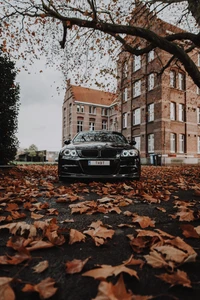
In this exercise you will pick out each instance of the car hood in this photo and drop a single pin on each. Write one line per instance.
(98, 145)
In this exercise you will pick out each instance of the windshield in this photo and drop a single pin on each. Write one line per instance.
(100, 137)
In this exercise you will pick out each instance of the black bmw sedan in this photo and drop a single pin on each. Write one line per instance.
(99, 154)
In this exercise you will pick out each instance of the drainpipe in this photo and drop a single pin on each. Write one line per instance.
(146, 106)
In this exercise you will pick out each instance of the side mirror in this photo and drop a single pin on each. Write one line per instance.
(67, 142)
(132, 143)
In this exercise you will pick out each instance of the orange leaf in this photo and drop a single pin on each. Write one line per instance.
(178, 278)
(45, 288)
(76, 236)
(75, 266)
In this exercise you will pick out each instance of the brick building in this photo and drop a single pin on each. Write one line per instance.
(88, 109)
(160, 110)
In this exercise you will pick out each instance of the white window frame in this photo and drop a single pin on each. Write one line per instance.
(181, 112)
(79, 125)
(151, 143)
(198, 115)
(92, 110)
(172, 79)
(181, 143)
(136, 116)
(138, 142)
(172, 111)
(151, 81)
(125, 94)
(172, 142)
(151, 55)
(91, 125)
(137, 88)
(151, 112)
(198, 144)
(136, 63)
(104, 125)
(82, 108)
(124, 120)
(78, 108)
(124, 70)
(181, 81)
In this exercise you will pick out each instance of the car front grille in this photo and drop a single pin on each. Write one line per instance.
(104, 153)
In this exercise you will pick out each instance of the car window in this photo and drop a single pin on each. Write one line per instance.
(99, 137)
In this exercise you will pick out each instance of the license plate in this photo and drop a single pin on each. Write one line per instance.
(98, 163)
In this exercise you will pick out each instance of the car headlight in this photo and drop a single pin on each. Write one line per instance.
(128, 153)
(70, 153)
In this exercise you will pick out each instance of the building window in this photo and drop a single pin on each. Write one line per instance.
(125, 94)
(124, 120)
(80, 108)
(198, 115)
(92, 110)
(151, 112)
(137, 140)
(151, 55)
(181, 81)
(198, 145)
(181, 143)
(172, 111)
(104, 111)
(181, 112)
(104, 125)
(172, 142)
(151, 82)
(79, 125)
(137, 88)
(173, 79)
(136, 62)
(136, 116)
(124, 70)
(151, 143)
(70, 108)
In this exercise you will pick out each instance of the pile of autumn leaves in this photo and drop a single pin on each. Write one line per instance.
(164, 250)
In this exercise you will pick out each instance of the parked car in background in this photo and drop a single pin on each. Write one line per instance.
(99, 154)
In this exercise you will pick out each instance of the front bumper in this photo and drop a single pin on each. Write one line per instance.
(128, 167)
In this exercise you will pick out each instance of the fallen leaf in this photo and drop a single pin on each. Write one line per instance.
(76, 236)
(178, 278)
(108, 291)
(75, 266)
(6, 292)
(45, 288)
(41, 267)
(106, 270)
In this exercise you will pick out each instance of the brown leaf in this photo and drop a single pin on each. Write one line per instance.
(41, 267)
(107, 270)
(76, 236)
(156, 260)
(144, 221)
(189, 231)
(107, 291)
(6, 292)
(99, 233)
(75, 266)
(35, 245)
(45, 288)
(178, 278)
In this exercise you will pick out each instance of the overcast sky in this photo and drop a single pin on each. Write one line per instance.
(40, 114)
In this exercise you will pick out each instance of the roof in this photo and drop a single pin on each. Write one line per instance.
(88, 95)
